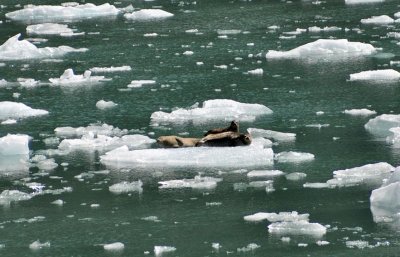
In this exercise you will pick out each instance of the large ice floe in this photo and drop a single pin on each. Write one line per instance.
(68, 78)
(198, 157)
(51, 29)
(213, 110)
(15, 49)
(14, 154)
(148, 14)
(325, 47)
(376, 75)
(380, 126)
(66, 12)
(379, 20)
(13, 110)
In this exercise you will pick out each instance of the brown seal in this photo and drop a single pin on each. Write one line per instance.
(175, 141)
(228, 138)
(233, 127)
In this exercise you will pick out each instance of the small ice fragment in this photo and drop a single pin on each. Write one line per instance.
(110, 69)
(148, 14)
(102, 105)
(258, 71)
(264, 173)
(294, 157)
(127, 187)
(249, 247)
(58, 202)
(114, 247)
(296, 176)
(37, 245)
(359, 112)
(160, 250)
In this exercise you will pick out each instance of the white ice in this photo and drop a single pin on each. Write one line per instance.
(50, 29)
(102, 105)
(212, 157)
(325, 47)
(160, 250)
(360, 112)
(213, 110)
(265, 173)
(50, 13)
(296, 176)
(197, 182)
(148, 14)
(15, 49)
(394, 139)
(250, 247)
(37, 245)
(300, 227)
(277, 217)
(14, 154)
(8, 196)
(381, 124)
(126, 187)
(316, 29)
(110, 69)
(375, 75)
(258, 71)
(384, 203)
(379, 20)
(96, 129)
(362, 1)
(117, 246)
(68, 78)
(293, 157)
(140, 83)
(270, 134)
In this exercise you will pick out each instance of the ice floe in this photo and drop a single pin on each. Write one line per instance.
(160, 250)
(293, 157)
(300, 227)
(381, 124)
(117, 246)
(15, 49)
(197, 182)
(394, 139)
(359, 112)
(270, 134)
(379, 20)
(265, 173)
(126, 187)
(362, 1)
(332, 47)
(51, 13)
(250, 247)
(110, 69)
(51, 29)
(258, 71)
(9, 196)
(102, 105)
(316, 29)
(14, 154)
(96, 129)
(384, 203)
(296, 176)
(213, 110)
(68, 78)
(211, 157)
(140, 83)
(277, 217)
(37, 245)
(148, 14)
(376, 75)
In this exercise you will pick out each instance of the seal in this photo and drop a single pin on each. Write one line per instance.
(228, 138)
(175, 141)
(233, 127)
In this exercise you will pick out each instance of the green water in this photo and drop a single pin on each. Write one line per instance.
(294, 89)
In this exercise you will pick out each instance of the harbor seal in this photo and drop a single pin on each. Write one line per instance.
(233, 127)
(175, 141)
(228, 138)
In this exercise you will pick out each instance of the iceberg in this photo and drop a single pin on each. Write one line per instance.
(114, 247)
(68, 78)
(13, 110)
(148, 14)
(200, 157)
(49, 29)
(359, 112)
(376, 75)
(102, 105)
(213, 110)
(270, 134)
(381, 124)
(96, 129)
(384, 203)
(325, 47)
(293, 157)
(378, 20)
(395, 138)
(301, 227)
(14, 49)
(50, 13)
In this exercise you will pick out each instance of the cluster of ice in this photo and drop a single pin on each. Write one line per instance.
(102, 105)
(13, 110)
(381, 125)
(300, 227)
(70, 12)
(274, 135)
(15, 49)
(148, 14)
(293, 157)
(100, 142)
(8, 196)
(277, 217)
(140, 83)
(213, 157)
(96, 129)
(213, 110)
(380, 20)
(320, 47)
(376, 75)
(126, 187)
(37, 245)
(14, 153)
(264, 173)
(51, 29)
(197, 182)
(68, 78)
(110, 69)
(160, 250)
(316, 29)
(250, 247)
(117, 246)
(360, 112)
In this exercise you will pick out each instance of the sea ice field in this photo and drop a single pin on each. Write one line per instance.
(87, 87)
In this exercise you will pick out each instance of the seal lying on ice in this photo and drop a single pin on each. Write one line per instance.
(228, 138)
(234, 127)
(175, 141)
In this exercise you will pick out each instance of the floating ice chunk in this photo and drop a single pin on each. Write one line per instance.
(384, 202)
(362, 1)
(293, 157)
(8, 122)
(68, 78)
(8, 196)
(379, 20)
(140, 83)
(248, 248)
(58, 202)
(197, 183)
(357, 244)
(266, 143)
(274, 135)
(277, 217)
(27, 82)
(332, 47)
(95, 129)
(114, 247)
(321, 242)
(105, 143)
(126, 187)
(381, 124)
(376, 75)
(47, 165)
(265, 173)
(14, 153)
(394, 139)
(102, 105)
(14, 49)
(316, 29)
(151, 218)
(301, 227)
(49, 13)
(49, 29)
(228, 31)
(213, 110)
(110, 69)
(148, 14)
(296, 176)
(359, 112)
(37, 245)
(188, 53)
(317, 185)
(218, 157)
(13, 110)
(160, 250)
(258, 71)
